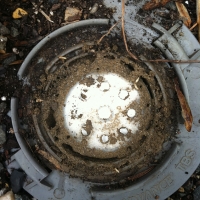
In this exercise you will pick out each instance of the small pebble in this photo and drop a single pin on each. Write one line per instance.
(2, 107)
(4, 30)
(10, 59)
(51, 13)
(196, 193)
(14, 32)
(15, 50)
(72, 14)
(94, 8)
(55, 6)
(3, 98)
(181, 189)
(19, 13)
(2, 135)
(3, 41)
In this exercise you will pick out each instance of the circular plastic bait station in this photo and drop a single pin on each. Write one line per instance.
(105, 127)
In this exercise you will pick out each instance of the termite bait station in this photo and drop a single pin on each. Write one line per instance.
(101, 128)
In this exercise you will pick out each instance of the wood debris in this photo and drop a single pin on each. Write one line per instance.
(198, 18)
(39, 100)
(135, 84)
(11, 131)
(17, 62)
(140, 174)
(155, 4)
(186, 112)
(46, 16)
(62, 58)
(72, 14)
(50, 158)
(19, 13)
(116, 170)
(55, 7)
(184, 14)
(193, 26)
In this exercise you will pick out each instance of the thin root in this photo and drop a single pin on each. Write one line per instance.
(156, 60)
(108, 32)
(45, 15)
(193, 26)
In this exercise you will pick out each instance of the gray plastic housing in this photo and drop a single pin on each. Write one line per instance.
(182, 158)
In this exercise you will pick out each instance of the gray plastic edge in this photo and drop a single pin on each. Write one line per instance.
(54, 34)
(145, 179)
(35, 121)
(22, 144)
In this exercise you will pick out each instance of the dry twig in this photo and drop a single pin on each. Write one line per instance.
(111, 28)
(135, 57)
(140, 174)
(184, 14)
(186, 112)
(50, 158)
(17, 62)
(155, 4)
(123, 32)
(193, 26)
(45, 15)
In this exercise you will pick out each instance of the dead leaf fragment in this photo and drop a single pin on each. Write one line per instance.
(55, 6)
(50, 158)
(184, 14)
(19, 13)
(72, 14)
(186, 112)
(155, 4)
(17, 62)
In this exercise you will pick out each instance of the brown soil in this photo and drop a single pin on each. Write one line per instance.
(154, 111)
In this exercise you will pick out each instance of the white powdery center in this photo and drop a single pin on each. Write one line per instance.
(105, 104)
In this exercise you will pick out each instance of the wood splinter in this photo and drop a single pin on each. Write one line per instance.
(185, 109)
